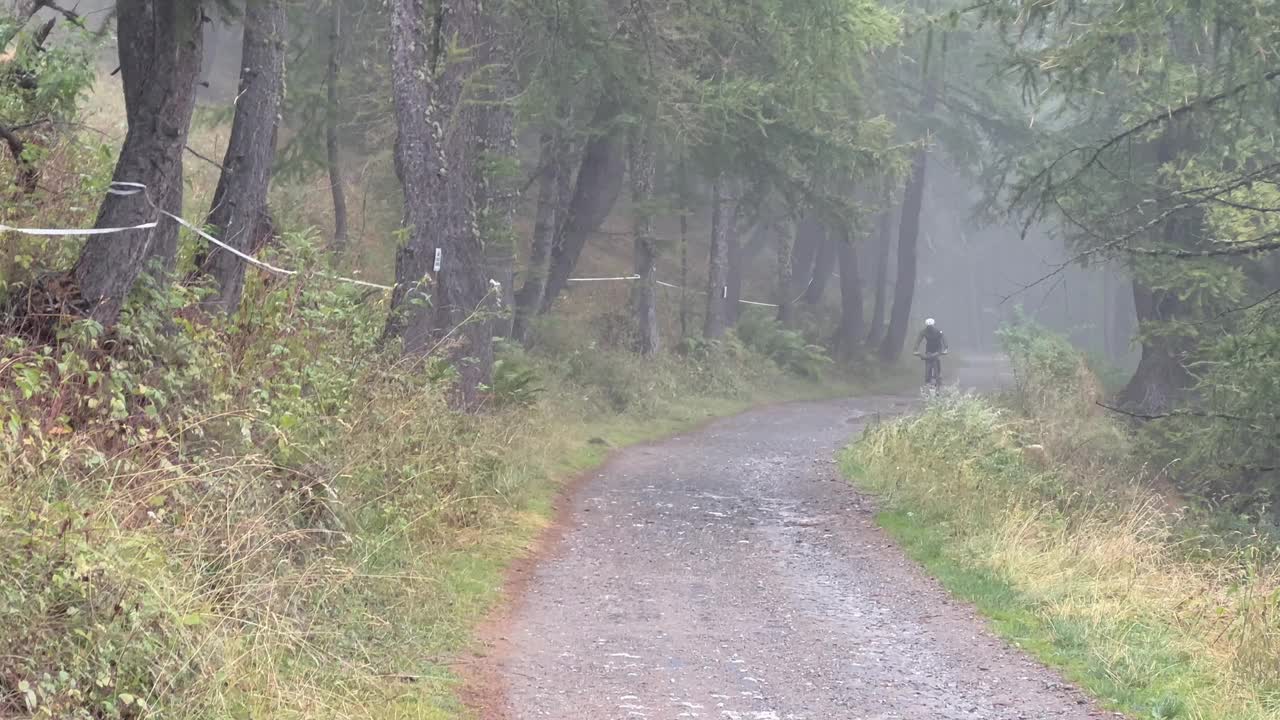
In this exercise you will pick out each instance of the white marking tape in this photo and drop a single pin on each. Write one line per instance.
(725, 294)
(56, 232)
(132, 188)
(604, 279)
(266, 266)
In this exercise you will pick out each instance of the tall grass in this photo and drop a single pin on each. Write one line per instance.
(272, 516)
(1078, 552)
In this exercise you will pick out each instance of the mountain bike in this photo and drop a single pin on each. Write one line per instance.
(932, 369)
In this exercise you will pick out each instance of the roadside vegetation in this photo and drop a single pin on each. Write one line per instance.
(1045, 510)
(276, 518)
(282, 476)
(305, 305)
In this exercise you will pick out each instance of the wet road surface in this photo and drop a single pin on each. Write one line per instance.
(731, 574)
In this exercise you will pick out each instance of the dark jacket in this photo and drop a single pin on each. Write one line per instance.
(933, 340)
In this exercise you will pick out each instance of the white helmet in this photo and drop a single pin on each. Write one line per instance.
(929, 322)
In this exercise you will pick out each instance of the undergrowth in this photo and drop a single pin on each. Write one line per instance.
(272, 515)
(1033, 507)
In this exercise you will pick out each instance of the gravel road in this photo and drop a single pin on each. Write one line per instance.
(730, 574)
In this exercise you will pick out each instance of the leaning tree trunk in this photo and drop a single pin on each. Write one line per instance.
(644, 295)
(595, 192)
(883, 246)
(331, 120)
(852, 322)
(240, 201)
(722, 220)
(439, 305)
(904, 286)
(810, 234)
(497, 194)
(553, 181)
(1162, 379)
(160, 46)
(786, 290)
(824, 265)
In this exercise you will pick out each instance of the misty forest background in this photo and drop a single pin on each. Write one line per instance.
(378, 272)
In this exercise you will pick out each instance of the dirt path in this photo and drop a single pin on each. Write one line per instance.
(730, 574)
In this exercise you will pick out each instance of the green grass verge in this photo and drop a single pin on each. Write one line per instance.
(1085, 578)
(471, 576)
(1151, 687)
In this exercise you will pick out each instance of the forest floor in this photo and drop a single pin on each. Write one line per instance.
(730, 572)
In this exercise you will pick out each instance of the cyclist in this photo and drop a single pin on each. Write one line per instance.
(935, 346)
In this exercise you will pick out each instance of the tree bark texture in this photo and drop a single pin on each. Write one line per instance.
(786, 295)
(810, 234)
(553, 165)
(240, 201)
(644, 294)
(852, 322)
(496, 190)
(333, 153)
(722, 219)
(1161, 381)
(442, 308)
(824, 265)
(162, 256)
(883, 247)
(685, 310)
(599, 182)
(160, 45)
(904, 286)
(740, 259)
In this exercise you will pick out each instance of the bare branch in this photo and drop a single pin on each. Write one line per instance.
(28, 176)
(1046, 173)
(1249, 422)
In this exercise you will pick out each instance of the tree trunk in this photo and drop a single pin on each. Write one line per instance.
(644, 295)
(883, 247)
(1162, 380)
(740, 259)
(497, 191)
(160, 48)
(162, 256)
(810, 235)
(1123, 318)
(599, 183)
(722, 220)
(553, 162)
(904, 286)
(439, 304)
(333, 155)
(786, 290)
(824, 265)
(852, 321)
(685, 310)
(240, 200)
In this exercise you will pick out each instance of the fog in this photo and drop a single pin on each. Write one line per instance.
(975, 276)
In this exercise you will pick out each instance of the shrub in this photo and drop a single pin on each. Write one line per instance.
(787, 348)
(516, 381)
